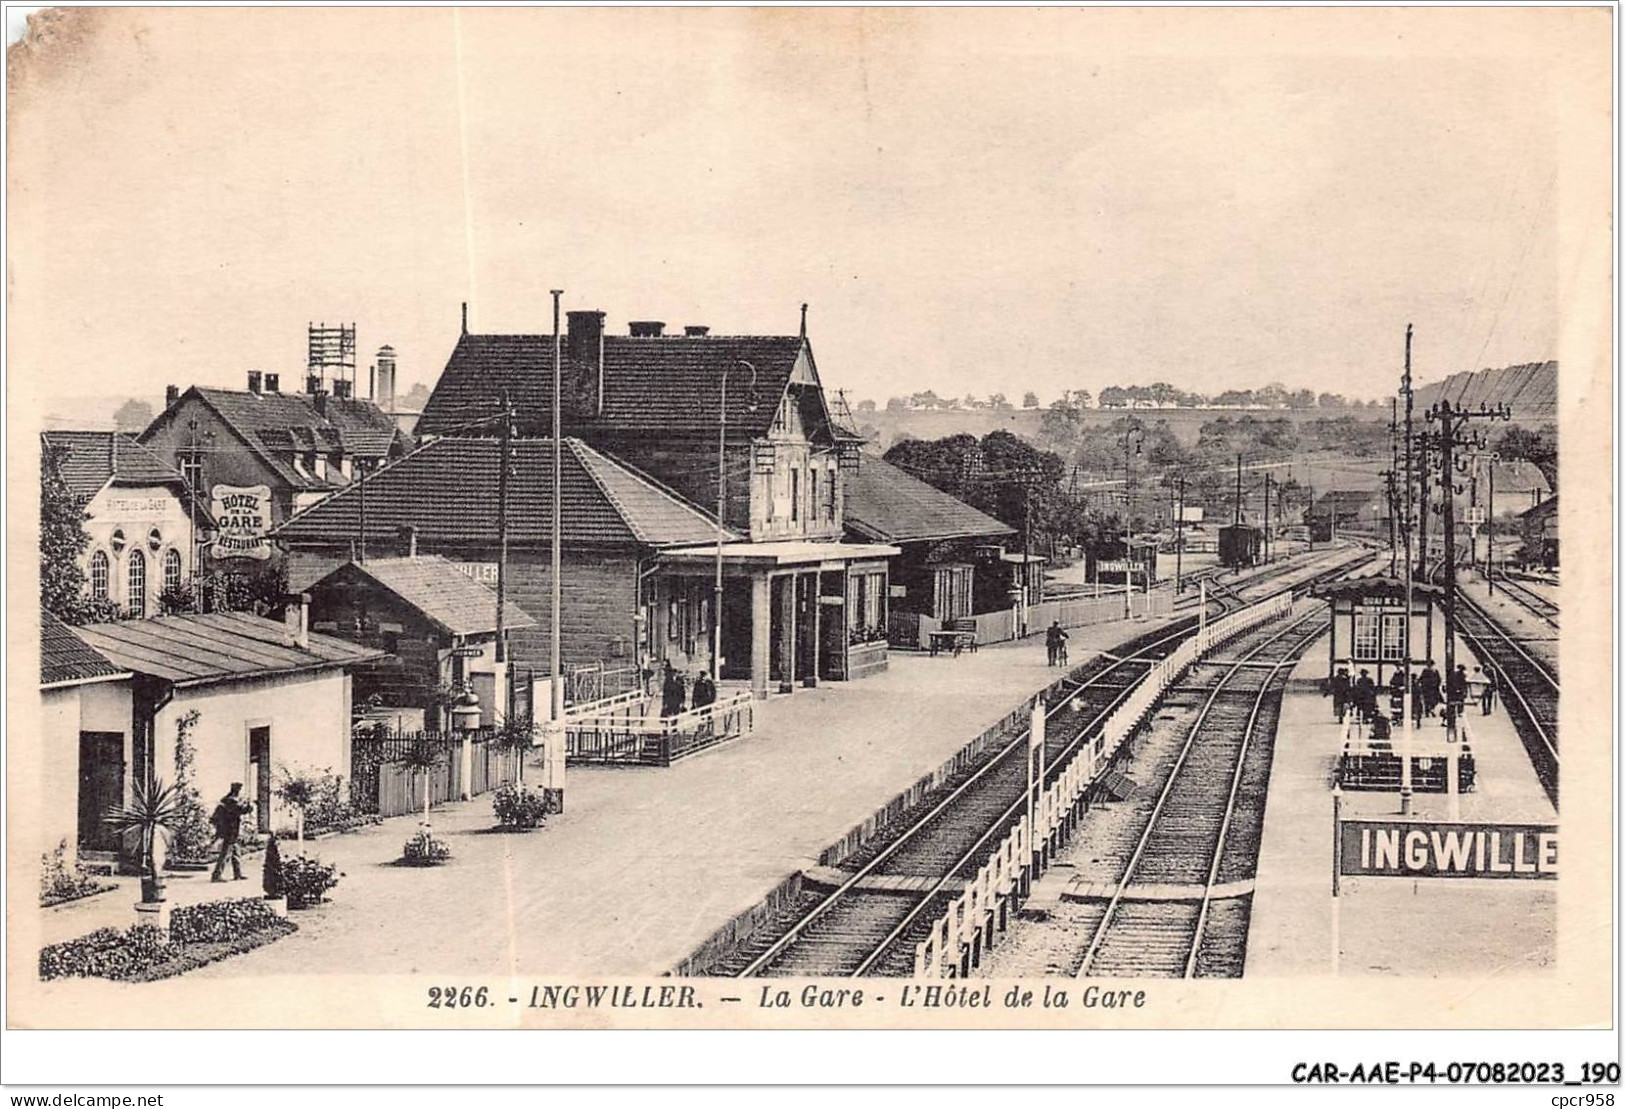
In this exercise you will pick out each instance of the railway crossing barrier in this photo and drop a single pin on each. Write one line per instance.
(958, 939)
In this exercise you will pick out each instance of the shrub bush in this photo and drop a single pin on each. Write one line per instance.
(305, 881)
(219, 921)
(424, 849)
(61, 881)
(519, 808)
(271, 870)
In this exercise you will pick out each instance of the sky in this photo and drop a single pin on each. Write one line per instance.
(969, 201)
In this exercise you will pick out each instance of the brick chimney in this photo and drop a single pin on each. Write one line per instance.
(696, 330)
(172, 393)
(583, 385)
(254, 382)
(319, 398)
(384, 368)
(409, 540)
(296, 618)
(647, 329)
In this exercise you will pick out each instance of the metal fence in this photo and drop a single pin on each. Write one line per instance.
(1072, 612)
(629, 733)
(384, 780)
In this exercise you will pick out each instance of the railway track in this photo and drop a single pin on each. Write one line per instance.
(885, 898)
(1533, 603)
(1166, 916)
(1529, 686)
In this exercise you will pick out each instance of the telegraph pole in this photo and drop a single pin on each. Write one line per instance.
(504, 464)
(1452, 421)
(1179, 541)
(1489, 527)
(1267, 482)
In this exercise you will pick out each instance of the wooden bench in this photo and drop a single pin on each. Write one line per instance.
(956, 635)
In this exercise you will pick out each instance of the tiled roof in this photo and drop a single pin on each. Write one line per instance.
(92, 458)
(64, 658)
(885, 503)
(439, 591)
(668, 385)
(199, 649)
(1529, 389)
(280, 424)
(447, 490)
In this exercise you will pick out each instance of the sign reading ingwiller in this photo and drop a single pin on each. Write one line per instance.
(1429, 849)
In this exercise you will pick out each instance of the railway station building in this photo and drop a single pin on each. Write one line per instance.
(660, 432)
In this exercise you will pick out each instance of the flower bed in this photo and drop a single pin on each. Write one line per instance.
(61, 882)
(198, 935)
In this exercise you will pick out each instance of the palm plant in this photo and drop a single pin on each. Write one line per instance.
(154, 810)
(423, 757)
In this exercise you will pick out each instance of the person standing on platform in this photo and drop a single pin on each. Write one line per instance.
(671, 692)
(1396, 697)
(1486, 697)
(1430, 687)
(705, 690)
(1365, 696)
(1341, 688)
(1456, 692)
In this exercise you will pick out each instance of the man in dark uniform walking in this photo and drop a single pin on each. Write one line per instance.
(228, 827)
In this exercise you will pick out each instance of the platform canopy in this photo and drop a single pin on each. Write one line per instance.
(784, 552)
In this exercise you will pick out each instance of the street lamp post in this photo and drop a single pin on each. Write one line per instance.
(722, 505)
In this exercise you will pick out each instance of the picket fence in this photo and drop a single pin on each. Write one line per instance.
(965, 931)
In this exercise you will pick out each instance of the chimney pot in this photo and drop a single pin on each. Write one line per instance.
(647, 329)
(272, 384)
(253, 381)
(172, 393)
(296, 618)
(696, 330)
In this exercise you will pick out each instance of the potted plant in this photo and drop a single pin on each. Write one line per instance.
(149, 819)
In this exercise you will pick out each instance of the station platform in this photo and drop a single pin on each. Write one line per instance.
(645, 863)
(1390, 926)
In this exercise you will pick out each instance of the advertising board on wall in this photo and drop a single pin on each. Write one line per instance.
(242, 516)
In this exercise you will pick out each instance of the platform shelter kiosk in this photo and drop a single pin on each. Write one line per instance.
(1368, 624)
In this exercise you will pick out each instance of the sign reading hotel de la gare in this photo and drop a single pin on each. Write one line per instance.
(242, 516)
(1428, 849)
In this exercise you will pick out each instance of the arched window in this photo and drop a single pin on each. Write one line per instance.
(98, 576)
(172, 569)
(136, 598)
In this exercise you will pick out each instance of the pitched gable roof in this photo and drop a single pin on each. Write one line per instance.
(65, 659)
(218, 646)
(887, 504)
(277, 425)
(447, 490)
(90, 459)
(437, 590)
(668, 385)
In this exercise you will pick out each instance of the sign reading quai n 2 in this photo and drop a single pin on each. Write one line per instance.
(1425, 849)
(242, 516)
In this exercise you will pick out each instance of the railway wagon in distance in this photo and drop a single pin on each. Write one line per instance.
(1239, 546)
